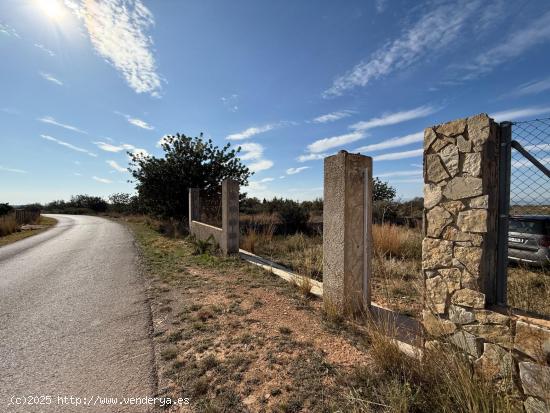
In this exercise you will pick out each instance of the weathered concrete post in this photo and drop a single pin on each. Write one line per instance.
(194, 205)
(230, 216)
(347, 235)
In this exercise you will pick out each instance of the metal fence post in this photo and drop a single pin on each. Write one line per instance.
(504, 168)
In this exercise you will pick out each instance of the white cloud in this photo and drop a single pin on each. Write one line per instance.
(17, 171)
(515, 44)
(433, 32)
(515, 114)
(393, 142)
(108, 147)
(261, 165)
(532, 88)
(250, 132)
(394, 118)
(413, 172)
(118, 32)
(116, 166)
(51, 78)
(230, 102)
(102, 180)
(45, 49)
(8, 30)
(381, 5)
(322, 145)
(136, 121)
(251, 151)
(52, 121)
(294, 171)
(259, 185)
(311, 157)
(67, 145)
(162, 141)
(399, 155)
(333, 116)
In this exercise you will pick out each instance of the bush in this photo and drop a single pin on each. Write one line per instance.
(8, 224)
(5, 209)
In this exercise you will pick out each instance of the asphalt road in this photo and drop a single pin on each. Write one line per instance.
(74, 320)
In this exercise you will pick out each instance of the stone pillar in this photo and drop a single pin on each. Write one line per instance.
(194, 205)
(347, 237)
(460, 206)
(230, 216)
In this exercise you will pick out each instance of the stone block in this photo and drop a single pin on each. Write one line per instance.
(533, 405)
(480, 202)
(450, 158)
(437, 219)
(467, 342)
(495, 363)
(460, 315)
(491, 317)
(472, 164)
(479, 130)
(494, 333)
(436, 253)
(453, 128)
(468, 298)
(470, 257)
(464, 145)
(436, 326)
(437, 294)
(452, 278)
(463, 187)
(432, 195)
(435, 171)
(532, 340)
(535, 380)
(474, 220)
(454, 207)
(429, 138)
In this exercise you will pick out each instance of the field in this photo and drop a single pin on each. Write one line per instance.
(398, 282)
(11, 232)
(235, 338)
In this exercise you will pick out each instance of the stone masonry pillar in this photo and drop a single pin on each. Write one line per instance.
(347, 235)
(230, 216)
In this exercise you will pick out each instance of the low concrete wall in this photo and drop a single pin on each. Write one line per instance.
(459, 263)
(204, 231)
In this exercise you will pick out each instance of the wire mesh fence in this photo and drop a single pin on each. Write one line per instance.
(211, 207)
(529, 185)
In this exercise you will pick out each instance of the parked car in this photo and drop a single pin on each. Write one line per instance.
(529, 239)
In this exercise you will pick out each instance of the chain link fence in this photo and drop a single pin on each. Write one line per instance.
(529, 185)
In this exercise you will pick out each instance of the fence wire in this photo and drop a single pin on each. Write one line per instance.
(529, 186)
(211, 207)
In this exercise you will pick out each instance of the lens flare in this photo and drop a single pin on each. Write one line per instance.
(53, 9)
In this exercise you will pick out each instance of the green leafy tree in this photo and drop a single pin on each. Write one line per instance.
(382, 191)
(163, 183)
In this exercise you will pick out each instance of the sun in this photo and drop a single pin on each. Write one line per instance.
(53, 9)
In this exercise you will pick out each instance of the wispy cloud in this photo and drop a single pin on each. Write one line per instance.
(52, 121)
(294, 171)
(116, 166)
(67, 145)
(381, 5)
(399, 155)
(250, 132)
(433, 32)
(532, 88)
(136, 121)
(44, 49)
(8, 30)
(333, 116)
(51, 78)
(311, 157)
(109, 147)
(394, 118)
(259, 185)
(231, 102)
(251, 150)
(102, 180)
(413, 172)
(322, 145)
(118, 32)
(17, 171)
(520, 113)
(393, 142)
(514, 45)
(261, 165)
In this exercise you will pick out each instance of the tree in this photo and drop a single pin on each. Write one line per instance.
(94, 203)
(5, 208)
(163, 183)
(382, 191)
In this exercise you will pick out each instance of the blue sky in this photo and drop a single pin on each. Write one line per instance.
(290, 81)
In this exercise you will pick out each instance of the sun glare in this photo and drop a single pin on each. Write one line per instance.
(54, 9)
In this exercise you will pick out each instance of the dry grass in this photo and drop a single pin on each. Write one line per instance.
(397, 241)
(529, 289)
(8, 225)
(44, 222)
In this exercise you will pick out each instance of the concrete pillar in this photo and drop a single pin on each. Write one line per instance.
(347, 234)
(230, 216)
(194, 205)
